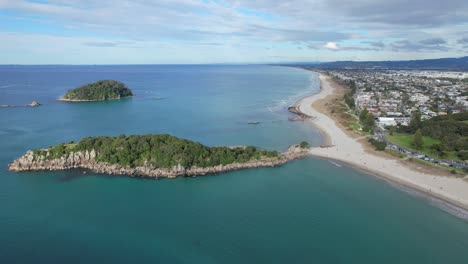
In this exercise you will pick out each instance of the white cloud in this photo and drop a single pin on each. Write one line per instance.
(331, 46)
(347, 27)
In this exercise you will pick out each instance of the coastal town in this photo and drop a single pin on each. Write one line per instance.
(392, 97)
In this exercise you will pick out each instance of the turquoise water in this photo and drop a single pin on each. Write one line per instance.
(309, 211)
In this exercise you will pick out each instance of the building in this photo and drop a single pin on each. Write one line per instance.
(387, 121)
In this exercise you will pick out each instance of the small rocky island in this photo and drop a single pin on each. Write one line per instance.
(32, 104)
(153, 156)
(98, 91)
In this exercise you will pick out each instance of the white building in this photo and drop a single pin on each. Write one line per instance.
(387, 121)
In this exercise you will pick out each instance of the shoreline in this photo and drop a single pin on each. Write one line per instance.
(61, 99)
(342, 147)
(88, 160)
(326, 139)
(402, 185)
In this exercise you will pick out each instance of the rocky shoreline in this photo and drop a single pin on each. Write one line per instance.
(87, 160)
(62, 99)
(32, 104)
(300, 115)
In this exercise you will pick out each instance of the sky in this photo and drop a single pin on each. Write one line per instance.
(229, 31)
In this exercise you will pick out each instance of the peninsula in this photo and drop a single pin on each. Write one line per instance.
(98, 91)
(154, 156)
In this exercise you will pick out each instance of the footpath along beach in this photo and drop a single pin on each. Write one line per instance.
(340, 146)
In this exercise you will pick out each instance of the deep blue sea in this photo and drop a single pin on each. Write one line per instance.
(309, 211)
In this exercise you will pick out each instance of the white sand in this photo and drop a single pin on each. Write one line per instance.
(348, 150)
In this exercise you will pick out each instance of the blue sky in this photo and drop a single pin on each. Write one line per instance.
(229, 31)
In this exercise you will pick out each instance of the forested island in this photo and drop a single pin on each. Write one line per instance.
(98, 91)
(152, 156)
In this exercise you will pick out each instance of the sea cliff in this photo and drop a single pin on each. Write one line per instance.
(36, 161)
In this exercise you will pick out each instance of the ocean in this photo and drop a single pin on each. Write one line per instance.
(309, 211)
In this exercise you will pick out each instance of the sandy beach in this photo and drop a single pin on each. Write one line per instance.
(346, 148)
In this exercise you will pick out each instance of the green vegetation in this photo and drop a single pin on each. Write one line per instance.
(349, 100)
(462, 154)
(367, 120)
(417, 139)
(345, 108)
(304, 144)
(158, 151)
(347, 116)
(406, 140)
(355, 125)
(415, 123)
(442, 136)
(349, 96)
(99, 91)
(379, 145)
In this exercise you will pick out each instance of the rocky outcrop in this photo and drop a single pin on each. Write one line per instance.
(87, 160)
(297, 111)
(34, 104)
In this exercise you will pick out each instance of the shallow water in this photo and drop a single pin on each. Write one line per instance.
(307, 211)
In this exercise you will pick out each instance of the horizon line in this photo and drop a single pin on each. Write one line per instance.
(218, 63)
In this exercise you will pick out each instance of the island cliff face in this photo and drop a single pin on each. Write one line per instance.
(36, 161)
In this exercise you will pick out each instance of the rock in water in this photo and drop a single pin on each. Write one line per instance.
(34, 104)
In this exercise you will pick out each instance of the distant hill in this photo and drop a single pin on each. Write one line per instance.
(458, 64)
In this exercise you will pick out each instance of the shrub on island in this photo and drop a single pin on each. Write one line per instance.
(98, 91)
(304, 145)
(157, 151)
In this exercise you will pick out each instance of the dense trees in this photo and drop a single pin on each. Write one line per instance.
(304, 144)
(417, 139)
(160, 151)
(363, 115)
(367, 120)
(463, 154)
(415, 123)
(349, 100)
(451, 130)
(349, 96)
(101, 90)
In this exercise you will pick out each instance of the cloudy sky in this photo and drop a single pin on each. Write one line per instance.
(229, 31)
